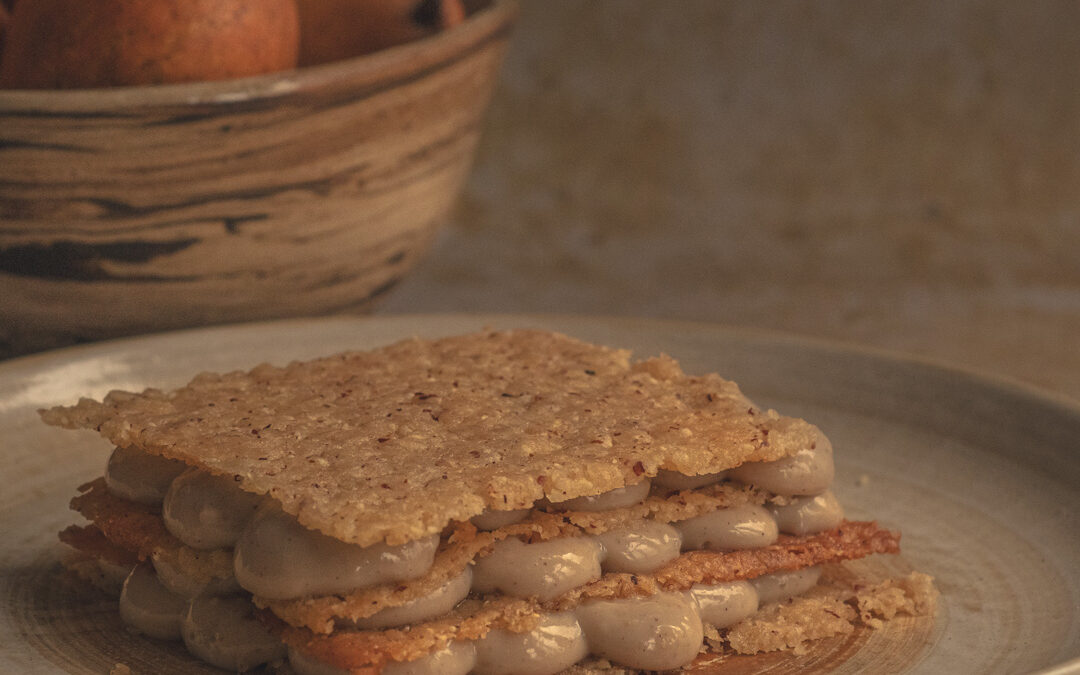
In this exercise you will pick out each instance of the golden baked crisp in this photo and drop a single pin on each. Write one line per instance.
(394, 444)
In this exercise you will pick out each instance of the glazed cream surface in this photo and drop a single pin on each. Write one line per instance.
(554, 645)
(224, 632)
(444, 599)
(279, 559)
(206, 511)
(150, 608)
(809, 471)
(807, 515)
(140, 477)
(641, 547)
(543, 570)
(613, 499)
(733, 529)
(655, 633)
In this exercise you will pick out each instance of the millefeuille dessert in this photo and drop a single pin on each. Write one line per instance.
(503, 502)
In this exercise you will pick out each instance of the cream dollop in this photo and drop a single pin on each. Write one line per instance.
(543, 570)
(808, 472)
(278, 558)
(641, 547)
(140, 477)
(554, 645)
(655, 633)
(732, 529)
(619, 498)
(207, 511)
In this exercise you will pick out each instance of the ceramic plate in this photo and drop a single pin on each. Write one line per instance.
(982, 476)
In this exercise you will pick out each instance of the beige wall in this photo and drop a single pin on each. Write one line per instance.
(904, 174)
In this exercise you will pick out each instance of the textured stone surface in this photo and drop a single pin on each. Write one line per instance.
(901, 175)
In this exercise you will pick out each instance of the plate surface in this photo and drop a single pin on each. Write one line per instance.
(982, 476)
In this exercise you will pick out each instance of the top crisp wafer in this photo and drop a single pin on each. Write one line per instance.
(393, 444)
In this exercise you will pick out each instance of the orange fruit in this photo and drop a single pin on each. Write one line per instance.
(103, 43)
(331, 30)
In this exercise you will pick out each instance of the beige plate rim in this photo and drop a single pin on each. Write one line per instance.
(927, 447)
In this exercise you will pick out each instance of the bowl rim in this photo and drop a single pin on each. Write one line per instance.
(377, 69)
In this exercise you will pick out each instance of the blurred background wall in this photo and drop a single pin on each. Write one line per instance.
(900, 174)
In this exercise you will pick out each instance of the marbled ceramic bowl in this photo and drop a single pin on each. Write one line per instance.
(306, 192)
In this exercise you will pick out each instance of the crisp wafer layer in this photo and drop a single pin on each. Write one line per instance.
(394, 444)
(131, 526)
(355, 649)
(139, 529)
(92, 542)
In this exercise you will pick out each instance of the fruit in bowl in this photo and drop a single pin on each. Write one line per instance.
(337, 29)
(307, 191)
(71, 44)
(74, 44)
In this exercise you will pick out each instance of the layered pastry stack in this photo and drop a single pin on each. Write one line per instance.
(503, 502)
